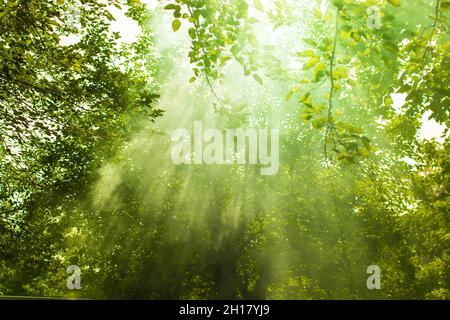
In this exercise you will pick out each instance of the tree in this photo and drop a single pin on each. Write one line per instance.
(63, 107)
(87, 179)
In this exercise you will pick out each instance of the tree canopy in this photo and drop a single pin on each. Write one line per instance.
(86, 121)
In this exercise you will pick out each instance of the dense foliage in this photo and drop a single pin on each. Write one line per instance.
(86, 175)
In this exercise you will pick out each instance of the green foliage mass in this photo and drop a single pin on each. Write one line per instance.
(86, 175)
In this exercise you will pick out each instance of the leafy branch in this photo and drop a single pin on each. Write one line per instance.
(436, 19)
(205, 69)
(330, 126)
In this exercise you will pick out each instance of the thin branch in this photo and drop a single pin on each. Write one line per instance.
(436, 19)
(330, 125)
(205, 70)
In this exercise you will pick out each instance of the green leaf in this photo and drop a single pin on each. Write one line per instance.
(364, 152)
(77, 67)
(366, 142)
(310, 63)
(109, 16)
(319, 68)
(344, 35)
(319, 123)
(258, 5)
(289, 96)
(172, 7)
(258, 79)
(192, 33)
(341, 72)
(388, 101)
(310, 42)
(390, 46)
(395, 3)
(445, 6)
(338, 3)
(306, 99)
(176, 24)
(306, 53)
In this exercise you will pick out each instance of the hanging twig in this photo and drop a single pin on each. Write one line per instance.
(436, 19)
(205, 70)
(330, 125)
